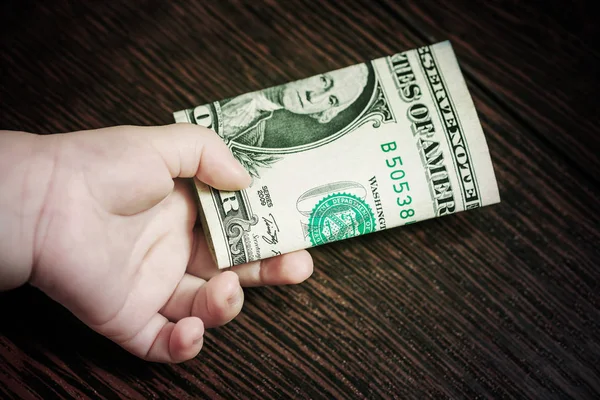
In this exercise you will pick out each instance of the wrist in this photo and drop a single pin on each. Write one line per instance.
(27, 165)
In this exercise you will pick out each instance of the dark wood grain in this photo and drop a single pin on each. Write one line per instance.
(524, 54)
(501, 302)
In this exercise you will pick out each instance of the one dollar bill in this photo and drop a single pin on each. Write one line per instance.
(349, 152)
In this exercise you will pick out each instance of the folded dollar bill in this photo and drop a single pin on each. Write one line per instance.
(357, 150)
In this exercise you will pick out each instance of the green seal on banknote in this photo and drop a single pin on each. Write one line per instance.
(339, 216)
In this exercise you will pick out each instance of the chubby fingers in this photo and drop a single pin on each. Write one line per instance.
(286, 269)
(176, 333)
(195, 151)
(164, 341)
(216, 301)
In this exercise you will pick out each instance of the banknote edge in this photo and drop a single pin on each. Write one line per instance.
(480, 154)
(209, 227)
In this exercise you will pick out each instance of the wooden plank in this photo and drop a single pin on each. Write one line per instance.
(539, 61)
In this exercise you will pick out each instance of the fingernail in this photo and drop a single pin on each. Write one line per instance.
(236, 298)
(242, 172)
(246, 176)
(199, 340)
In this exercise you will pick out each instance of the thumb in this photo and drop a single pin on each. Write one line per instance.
(195, 151)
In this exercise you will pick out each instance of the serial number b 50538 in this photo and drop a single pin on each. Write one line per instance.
(400, 184)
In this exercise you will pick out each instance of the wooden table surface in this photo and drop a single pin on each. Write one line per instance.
(499, 302)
